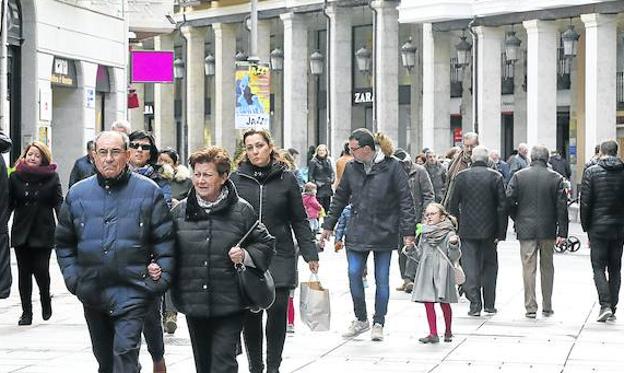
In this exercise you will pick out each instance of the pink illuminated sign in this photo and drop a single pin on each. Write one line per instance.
(151, 66)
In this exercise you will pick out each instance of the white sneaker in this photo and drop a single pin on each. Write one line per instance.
(377, 333)
(357, 327)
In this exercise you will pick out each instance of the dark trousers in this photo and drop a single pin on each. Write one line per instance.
(214, 342)
(325, 202)
(407, 267)
(606, 258)
(275, 333)
(5, 266)
(153, 330)
(33, 261)
(116, 340)
(480, 263)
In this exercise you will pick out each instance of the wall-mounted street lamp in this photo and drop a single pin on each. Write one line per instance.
(512, 47)
(363, 59)
(316, 63)
(209, 65)
(570, 42)
(178, 68)
(408, 55)
(277, 60)
(464, 51)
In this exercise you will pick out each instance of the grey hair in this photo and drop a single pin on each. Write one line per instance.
(609, 147)
(480, 154)
(121, 126)
(540, 153)
(471, 136)
(124, 137)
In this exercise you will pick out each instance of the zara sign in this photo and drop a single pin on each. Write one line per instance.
(363, 96)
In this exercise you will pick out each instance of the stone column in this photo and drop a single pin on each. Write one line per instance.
(264, 41)
(520, 97)
(340, 76)
(225, 100)
(542, 82)
(416, 94)
(436, 99)
(295, 82)
(194, 88)
(387, 67)
(466, 99)
(137, 121)
(489, 86)
(164, 121)
(600, 79)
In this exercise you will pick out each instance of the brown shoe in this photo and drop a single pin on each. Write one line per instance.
(160, 367)
(171, 322)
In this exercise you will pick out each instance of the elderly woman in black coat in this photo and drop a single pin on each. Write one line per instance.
(209, 224)
(264, 180)
(35, 193)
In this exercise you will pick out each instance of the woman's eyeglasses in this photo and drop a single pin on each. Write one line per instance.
(137, 146)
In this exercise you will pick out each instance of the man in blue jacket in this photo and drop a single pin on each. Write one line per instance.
(114, 244)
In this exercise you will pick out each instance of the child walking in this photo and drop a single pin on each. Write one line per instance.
(435, 278)
(312, 206)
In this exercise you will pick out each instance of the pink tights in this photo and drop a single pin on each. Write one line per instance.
(291, 311)
(431, 317)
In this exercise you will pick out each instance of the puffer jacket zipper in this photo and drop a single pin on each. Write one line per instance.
(261, 193)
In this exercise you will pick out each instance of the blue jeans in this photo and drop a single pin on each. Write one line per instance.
(357, 262)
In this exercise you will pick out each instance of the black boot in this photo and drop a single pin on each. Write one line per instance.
(26, 319)
(46, 307)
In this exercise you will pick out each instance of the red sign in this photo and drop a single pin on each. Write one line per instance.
(457, 134)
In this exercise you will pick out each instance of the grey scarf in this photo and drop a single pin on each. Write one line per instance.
(208, 205)
(434, 234)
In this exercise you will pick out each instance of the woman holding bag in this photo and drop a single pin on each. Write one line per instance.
(209, 223)
(263, 179)
(435, 277)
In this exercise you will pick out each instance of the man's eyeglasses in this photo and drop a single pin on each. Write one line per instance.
(354, 149)
(103, 153)
(137, 146)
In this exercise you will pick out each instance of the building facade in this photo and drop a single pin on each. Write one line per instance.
(537, 93)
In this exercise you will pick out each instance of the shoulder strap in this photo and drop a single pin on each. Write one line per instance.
(445, 257)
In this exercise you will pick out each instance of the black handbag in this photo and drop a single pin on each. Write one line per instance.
(256, 288)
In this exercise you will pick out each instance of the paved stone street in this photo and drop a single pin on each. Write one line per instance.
(570, 341)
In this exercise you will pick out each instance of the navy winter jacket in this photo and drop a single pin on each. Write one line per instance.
(108, 233)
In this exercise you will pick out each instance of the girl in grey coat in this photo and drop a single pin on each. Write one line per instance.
(435, 279)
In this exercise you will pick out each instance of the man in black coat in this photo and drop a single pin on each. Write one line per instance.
(5, 254)
(537, 201)
(115, 244)
(382, 215)
(560, 165)
(602, 217)
(83, 167)
(478, 202)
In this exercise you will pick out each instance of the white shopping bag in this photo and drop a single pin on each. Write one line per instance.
(314, 305)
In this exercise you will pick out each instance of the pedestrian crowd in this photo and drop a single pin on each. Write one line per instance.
(140, 238)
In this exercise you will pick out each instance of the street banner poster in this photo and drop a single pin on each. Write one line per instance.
(253, 95)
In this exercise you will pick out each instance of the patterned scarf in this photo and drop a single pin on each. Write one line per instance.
(209, 205)
(434, 234)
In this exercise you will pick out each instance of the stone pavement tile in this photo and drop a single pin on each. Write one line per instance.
(606, 352)
(511, 350)
(490, 367)
(367, 365)
(595, 366)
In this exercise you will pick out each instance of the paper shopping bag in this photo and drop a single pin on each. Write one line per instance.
(314, 306)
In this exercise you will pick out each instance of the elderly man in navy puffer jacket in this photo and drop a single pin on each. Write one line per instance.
(115, 244)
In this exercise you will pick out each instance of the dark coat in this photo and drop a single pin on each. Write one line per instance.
(5, 253)
(437, 174)
(560, 165)
(421, 188)
(206, 283)
(517, 163)
(602, 197)
(503, 168)
(83, 168)
(109, 231)
(277, 201)
(478, 203)
(321, 173)
(382, 208)
(34, 198)
(537, 202)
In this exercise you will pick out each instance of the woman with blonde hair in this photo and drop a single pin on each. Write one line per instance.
(34, 194)
(321, 173)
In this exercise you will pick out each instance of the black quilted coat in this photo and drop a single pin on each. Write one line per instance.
(206, 284)
(602, 197)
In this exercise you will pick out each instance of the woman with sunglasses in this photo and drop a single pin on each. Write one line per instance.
(144, 161)
(263, 179)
